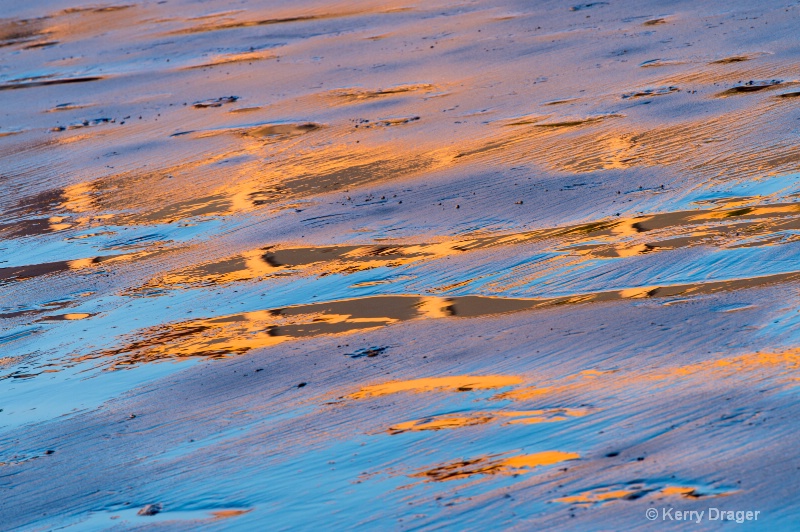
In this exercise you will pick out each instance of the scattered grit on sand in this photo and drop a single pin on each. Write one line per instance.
(399, 265)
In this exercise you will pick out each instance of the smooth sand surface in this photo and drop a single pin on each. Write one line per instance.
(271, 265)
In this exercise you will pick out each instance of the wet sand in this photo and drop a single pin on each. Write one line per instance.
(398, 265)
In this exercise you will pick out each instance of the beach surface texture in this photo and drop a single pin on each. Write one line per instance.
(399, 265)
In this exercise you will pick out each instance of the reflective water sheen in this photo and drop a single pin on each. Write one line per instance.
(387, 265)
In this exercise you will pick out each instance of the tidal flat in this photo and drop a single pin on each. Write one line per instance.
(399, 265)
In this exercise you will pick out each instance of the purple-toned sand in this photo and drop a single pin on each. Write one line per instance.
(399, 265)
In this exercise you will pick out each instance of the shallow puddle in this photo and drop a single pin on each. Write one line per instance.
(396, 266)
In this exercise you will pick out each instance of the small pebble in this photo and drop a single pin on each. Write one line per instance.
(150, 509)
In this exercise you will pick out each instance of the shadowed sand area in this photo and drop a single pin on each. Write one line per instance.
(398, 265)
